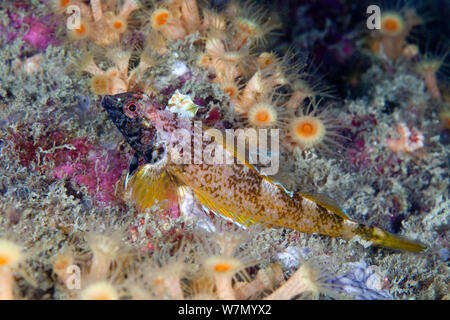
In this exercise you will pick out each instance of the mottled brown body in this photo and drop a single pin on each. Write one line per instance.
(239, 189)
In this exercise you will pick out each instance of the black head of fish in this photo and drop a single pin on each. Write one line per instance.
(126, 111)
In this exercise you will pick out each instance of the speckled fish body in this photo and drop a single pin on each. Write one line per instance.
(235, 190)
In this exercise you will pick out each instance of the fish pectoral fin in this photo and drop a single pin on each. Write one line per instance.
(241, 156)
(326, 202)
(222, 210)
(149, 185)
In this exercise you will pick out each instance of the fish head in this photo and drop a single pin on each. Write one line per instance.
(127, 111)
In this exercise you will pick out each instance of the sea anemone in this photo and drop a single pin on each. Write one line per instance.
(10, 253)
(268, 113)
(109, 254)
(169, 25)
(310, 280)
(262, 115)
(224, 257)
(395, 26)
(100, 84)
(252, 24)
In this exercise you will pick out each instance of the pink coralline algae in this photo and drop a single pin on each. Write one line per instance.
(357, 155)
(93, 167)
(213, 116)
(76, 159)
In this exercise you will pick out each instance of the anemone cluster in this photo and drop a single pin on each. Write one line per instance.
(263, 89)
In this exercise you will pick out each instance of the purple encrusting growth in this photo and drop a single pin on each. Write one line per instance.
(11, 32)
(76, 159)
(83, 103)
(363, 283)
(39, 35)
(360, 282)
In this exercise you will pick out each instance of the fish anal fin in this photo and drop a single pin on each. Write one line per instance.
(326, 202)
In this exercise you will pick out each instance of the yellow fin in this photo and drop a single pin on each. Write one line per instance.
(326, 202)
(149, 184)
(382, 238)
(228, 146)
(231, 148)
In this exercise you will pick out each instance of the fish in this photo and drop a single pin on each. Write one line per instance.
(236, 190)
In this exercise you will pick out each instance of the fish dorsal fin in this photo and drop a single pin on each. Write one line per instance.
(149, 185)
(321, 199)
(134, 164)
(232, 149)
(326, 202)
(228, 146)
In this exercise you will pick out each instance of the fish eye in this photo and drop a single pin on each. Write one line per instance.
(132, 109)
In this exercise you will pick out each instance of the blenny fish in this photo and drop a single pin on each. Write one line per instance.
(236, 190)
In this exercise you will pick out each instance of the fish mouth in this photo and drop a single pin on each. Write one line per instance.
(114, 110)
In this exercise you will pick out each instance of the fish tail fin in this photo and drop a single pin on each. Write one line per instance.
(382, 238)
